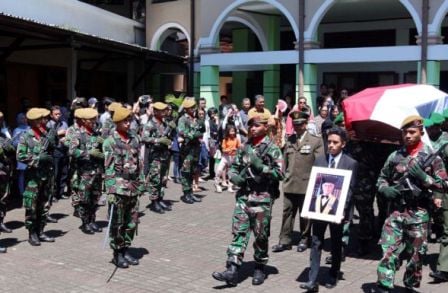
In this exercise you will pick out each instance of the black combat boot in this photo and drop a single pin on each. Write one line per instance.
(33, 238)
(195, 198)
(164, 205)
(230, 276)
(129, 258)
(3, 227)
(119, 259)
(259, 275)
(156, 207)
(186, 198)
(93, 226)
(50, 219)
(3, 249)
(87, 229)
(44, 237)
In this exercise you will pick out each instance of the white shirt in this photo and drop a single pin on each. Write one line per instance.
(336, 160)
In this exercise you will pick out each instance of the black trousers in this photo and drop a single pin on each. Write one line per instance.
(60, 175)
(318, 237)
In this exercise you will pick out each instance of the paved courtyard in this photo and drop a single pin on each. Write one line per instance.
(178, 252)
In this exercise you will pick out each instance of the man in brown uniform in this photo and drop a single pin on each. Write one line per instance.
(301, 149)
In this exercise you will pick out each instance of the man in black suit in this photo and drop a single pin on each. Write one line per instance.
(325, 202)
(336, 140)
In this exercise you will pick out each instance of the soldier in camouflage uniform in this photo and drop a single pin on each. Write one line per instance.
(257, 170)
(32, 150)
(108, 127)
(124, 182)
(190, 131)
(7, 154)
(86, 149)
(406, 227)
(156, 134)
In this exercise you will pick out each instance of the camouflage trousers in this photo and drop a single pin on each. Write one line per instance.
(4, 195)
(403, 231)
(158, 170)
(35, 201)
(189, 158)
(85, 200)
(124, 220)
(247, 217)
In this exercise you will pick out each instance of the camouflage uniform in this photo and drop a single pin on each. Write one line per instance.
(124, 182)
(88, 173)
(7, 154)
(254, 201)
(72, 174)
(108, 128)
(157, 156)
(38, 179)
(406, 227)
(190, 130)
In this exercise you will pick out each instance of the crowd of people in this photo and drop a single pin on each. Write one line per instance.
(126, 151)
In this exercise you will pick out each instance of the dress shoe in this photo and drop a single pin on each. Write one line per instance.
(331, 282)
(93, 226)
(302, 247)
(33, 239)
(45, 238)
(259, 275)
(281, 247)
(164, 205)
(119, 259)
(129, 258)
(310, 287)
(4, 229)
(230, 275)
(187, 199)
(50, 219)
(195, 198)
(155, 207)
(439, 276)
(3, 249)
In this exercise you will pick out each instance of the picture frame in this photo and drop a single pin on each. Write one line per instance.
(326, 194)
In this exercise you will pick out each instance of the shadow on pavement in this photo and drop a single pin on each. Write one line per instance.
(368, 287)
(138, 252)
(102, 224)
(55, 233)
(9, 242)
(14, 225)
(58, 216)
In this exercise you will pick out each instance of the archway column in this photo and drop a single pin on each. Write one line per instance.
(209, 87)
(432, 72)
(310, 84)
(271, 76)
(241, 43)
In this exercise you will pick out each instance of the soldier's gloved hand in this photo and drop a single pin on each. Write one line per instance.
(165, 141)
(389, 192)
(99, 140)
(96, 153)
(417, 172)
(237, 180)
(256, 163)
(172, 124)
(45, 158)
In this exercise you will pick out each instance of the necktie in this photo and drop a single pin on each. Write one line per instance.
(332, 163)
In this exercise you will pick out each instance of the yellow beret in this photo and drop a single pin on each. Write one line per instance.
(188, 103)
(1, 114)
(76, 114)
(87, 113)
(113, 106)
(45, 112)
(259, 117)
(34, 114)
(412, 121)
(120, 114)
(159, 106)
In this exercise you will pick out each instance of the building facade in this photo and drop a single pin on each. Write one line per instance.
(240, 48)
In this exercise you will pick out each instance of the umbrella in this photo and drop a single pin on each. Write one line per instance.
(377, 113)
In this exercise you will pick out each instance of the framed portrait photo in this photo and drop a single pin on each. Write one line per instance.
(326, 194)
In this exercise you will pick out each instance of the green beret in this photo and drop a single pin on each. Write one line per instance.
(427, 123)
(437, 118)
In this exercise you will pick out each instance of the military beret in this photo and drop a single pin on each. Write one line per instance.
(188, 103)
(339, 118)
(113, 106)
(1, 114)
(445, 113)
(159, 106)
(34, 114)
(412, 121)
(76, 113)
(45, 112)
(120, 114)
(299, 117)
(428, 123)
(257, 117)
(437, 118)
(87, 113)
